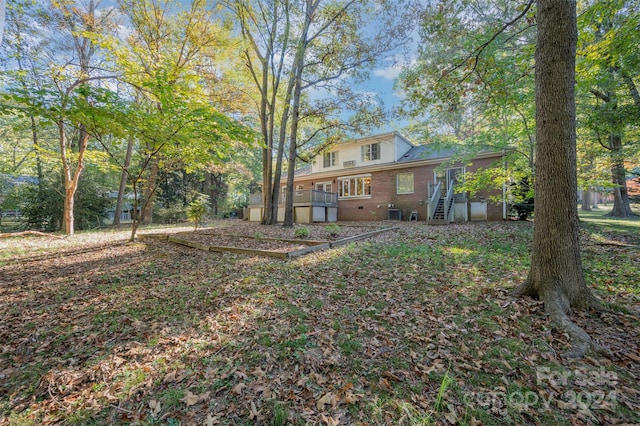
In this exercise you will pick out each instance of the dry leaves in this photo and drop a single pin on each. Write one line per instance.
(414, 325)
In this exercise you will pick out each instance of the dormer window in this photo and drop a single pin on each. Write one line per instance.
(371, 152)
(329, 159)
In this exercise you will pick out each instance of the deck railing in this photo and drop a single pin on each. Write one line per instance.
(303, 196)
(434, 193)
(448, 203)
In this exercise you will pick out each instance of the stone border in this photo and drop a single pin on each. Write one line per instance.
(314, 245)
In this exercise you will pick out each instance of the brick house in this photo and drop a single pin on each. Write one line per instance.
(384, 177)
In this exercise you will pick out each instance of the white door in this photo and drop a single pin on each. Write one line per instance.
(324, 187)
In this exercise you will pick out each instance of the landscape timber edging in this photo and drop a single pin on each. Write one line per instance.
(313, 245)
(240, 250)
(294, 241)
(361, 236)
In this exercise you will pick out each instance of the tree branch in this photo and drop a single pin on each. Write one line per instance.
(478, 51)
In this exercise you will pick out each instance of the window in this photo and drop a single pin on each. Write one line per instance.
(371, 152)
(455, 174)
(324, 186)
(329, 159)
(404, 183)
(354, 187)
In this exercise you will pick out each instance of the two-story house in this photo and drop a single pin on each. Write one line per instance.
(385, 177)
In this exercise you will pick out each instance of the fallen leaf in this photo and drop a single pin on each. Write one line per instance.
(326, 399)
(237, 389)
(254, 411)
(155, 407)
(210, 420)
(330, 421)
(169, 377)
(190, 398)
(302, 381)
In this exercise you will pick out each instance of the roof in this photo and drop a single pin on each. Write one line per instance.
(425, 152)
(303, 171)
(372, 138)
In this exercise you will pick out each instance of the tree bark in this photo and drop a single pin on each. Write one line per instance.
(586, 200)
(149, 192)
(621, 205)
(71, 176)
(556, 275)
(123, 182)
(296, 79)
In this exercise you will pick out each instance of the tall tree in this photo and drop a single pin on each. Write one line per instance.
(62, 96)
(293, 47)
(556, 275)
(166, 58)
(608, 67)
(473, 81)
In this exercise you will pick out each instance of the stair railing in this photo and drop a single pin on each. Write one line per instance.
(433, 201)
(448, 205)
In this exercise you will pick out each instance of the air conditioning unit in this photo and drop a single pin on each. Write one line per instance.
(350, 163)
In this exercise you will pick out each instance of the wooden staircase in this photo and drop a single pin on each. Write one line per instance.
(439, 213)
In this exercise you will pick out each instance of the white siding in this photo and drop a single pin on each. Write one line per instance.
(392, 148)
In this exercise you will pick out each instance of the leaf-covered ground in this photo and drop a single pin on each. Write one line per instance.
(246, 235)
(414, 326)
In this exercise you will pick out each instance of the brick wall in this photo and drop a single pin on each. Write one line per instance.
(384, 192)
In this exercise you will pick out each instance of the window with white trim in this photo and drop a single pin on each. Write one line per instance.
(352, 187)
(329, 159)
(404, 183)
(370, 152)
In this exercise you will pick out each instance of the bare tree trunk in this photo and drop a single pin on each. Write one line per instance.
(621, 205)
(149, 192)
(586, 200)
(556, 275)
(123, 182)
(71, 177)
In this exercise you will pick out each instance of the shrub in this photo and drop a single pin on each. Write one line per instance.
(173, 213)
(43, 207)
(198, 209)
(332, 229)
(302, 232)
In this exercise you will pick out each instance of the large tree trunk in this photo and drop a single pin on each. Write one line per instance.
(586, 200)
(556, 275)
(621, 205)
(71, 176)
(149, 192)
(123, 182)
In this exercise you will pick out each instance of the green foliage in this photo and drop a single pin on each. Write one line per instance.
(280, 414)
(42, 206)
(197, 209)
(332, 229)
(173, 213)
(477, 95)
(302, 232)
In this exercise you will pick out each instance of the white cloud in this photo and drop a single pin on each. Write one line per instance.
(389, 73)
